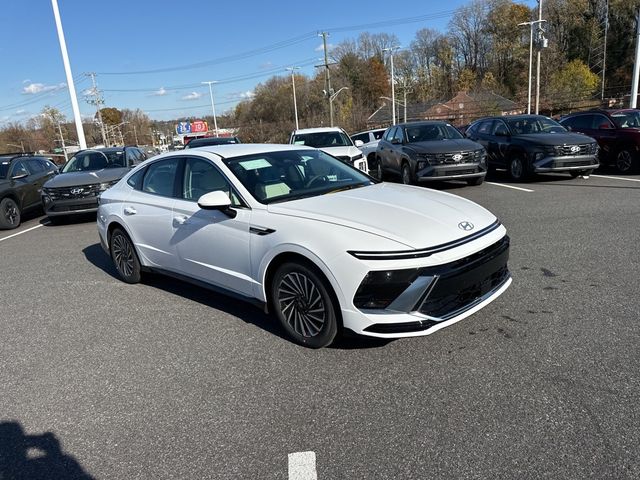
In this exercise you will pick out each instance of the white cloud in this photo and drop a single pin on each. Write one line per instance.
(89, 92)
(192, 96)
(22, 111)
(320, 48)
(26, 80)
(266, 65)
(160, 92)
(33, 88)
(248, 94)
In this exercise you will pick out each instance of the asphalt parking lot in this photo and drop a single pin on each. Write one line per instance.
(166, 380)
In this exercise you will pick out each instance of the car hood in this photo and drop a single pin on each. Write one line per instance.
(86, 178)
(445, 146)
(413, 216)
(554, 138)
(342, 151)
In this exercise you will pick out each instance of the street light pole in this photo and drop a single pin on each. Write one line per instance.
(213, 105)
(393, 87)
(67, 69)
(293, 83)
(333, 97)
(530, 24)
(636, 65)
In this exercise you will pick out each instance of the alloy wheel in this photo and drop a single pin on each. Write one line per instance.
(301, 304)
(12, 214)
(516, 168)
(123, 255)
(624, 161)
(406, 175)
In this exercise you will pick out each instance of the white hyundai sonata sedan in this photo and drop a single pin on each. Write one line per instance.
(311, 239)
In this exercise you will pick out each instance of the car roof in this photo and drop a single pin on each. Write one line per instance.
(382, 129)
(422, 122)
(317, 130)
(232, 150)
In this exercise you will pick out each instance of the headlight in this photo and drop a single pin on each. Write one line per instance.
(421, 165)
(539, 156)
(357, 157)
(104, 186)
(379, 289)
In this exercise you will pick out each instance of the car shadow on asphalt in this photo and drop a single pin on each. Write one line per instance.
(35, 457)
(70, 220)
(244, 311)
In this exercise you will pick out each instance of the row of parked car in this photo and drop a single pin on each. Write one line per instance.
(521, 144)
(415, 152)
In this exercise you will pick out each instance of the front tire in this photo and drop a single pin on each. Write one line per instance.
(406, 175)
(302, 301)
(10, 214)
(379, 170)
(124, 257)
(518, 169)
(625, 161)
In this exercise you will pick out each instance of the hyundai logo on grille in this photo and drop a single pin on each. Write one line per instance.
(457, 157)
(76, 191)
(466, 226)
(575, 149)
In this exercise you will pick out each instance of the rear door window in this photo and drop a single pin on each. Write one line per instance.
(160, 177)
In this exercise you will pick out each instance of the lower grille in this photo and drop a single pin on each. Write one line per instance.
(462, 283)
(74, 207)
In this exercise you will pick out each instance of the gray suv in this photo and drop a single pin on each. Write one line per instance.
(85, 176)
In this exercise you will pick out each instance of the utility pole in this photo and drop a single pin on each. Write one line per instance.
(98, 101)
(636, 65)
(293, 83)
(135, 134)
(530, 24)
(327, 76)
(539, 39)
(393, 87)
(67, 70)
(64, 148)
(213, 105)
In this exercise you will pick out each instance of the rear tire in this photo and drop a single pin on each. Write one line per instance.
(379, 170)
(124, 257)
(10, 214)
(475, 181)
(302, 301)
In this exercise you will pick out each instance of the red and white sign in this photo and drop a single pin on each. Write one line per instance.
(199, 126)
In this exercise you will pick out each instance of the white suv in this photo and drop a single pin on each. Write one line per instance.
(370, 140)
(334, 141)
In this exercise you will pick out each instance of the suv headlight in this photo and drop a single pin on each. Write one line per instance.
(539, 156)
(357, 157)
(104, 186)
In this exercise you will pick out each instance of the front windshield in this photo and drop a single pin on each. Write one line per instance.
(431, 132)
(293, 174)
(527, 125)
(322, 139)
(89, 160)
(630, 119)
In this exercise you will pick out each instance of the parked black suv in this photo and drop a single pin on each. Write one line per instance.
(208, 141)
(527, 144)
(431, 150)
(21, 180)
(617, 133)
(85, 176)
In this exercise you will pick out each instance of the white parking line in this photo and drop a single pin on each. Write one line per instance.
(20, 233)
(617, 178)
(302, 466)
(511, 186)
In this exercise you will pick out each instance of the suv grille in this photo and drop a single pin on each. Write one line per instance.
(81, 191)
(448, 158)
(570, 150)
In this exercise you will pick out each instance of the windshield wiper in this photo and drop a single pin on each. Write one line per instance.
(346, 187)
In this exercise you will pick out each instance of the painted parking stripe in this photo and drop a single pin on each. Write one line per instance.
(510, 186)
(20, 233)
(617, 178)
(302, 466)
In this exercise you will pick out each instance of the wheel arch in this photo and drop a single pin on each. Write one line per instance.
(306, 259)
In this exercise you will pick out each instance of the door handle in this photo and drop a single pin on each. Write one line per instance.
(130, 211)
(181, 219)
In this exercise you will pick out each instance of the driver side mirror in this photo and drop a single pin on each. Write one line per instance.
(358, 143)
(395, 141)
(604, 126)
(217, 200)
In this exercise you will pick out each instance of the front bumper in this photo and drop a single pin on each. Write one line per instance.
(73, 206)
(565, 163)
(451, 285)
(451, 172)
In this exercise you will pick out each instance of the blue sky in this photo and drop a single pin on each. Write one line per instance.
(239, 44)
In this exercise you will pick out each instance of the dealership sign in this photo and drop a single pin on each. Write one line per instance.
(197, 126)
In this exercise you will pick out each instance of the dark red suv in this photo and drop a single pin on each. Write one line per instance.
(617, 133)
